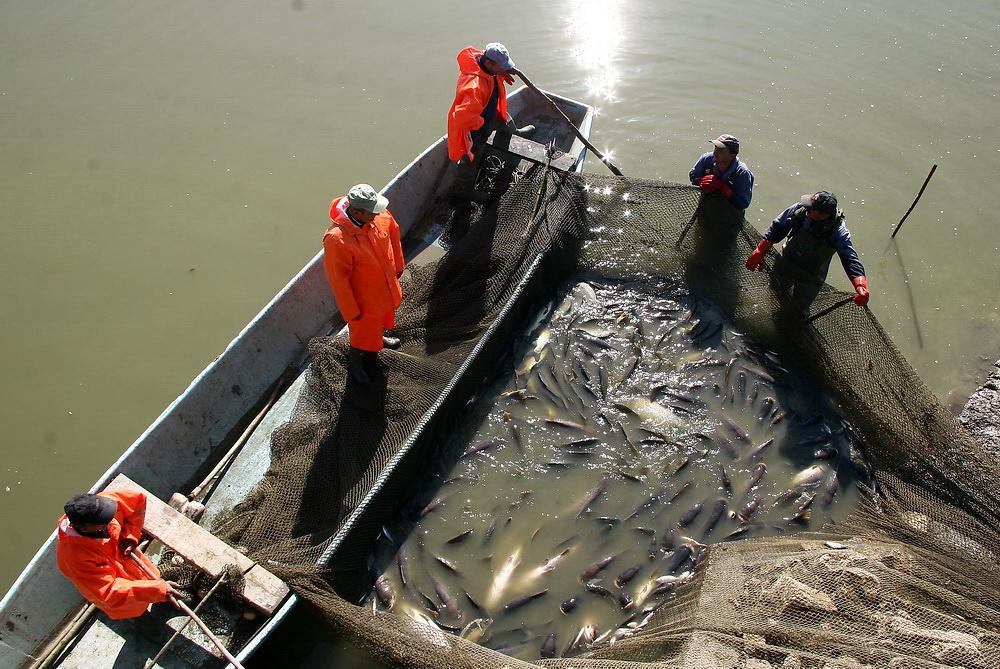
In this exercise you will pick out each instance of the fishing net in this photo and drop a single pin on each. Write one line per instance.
(909, 579)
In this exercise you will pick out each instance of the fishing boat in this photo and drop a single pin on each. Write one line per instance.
(218, 431)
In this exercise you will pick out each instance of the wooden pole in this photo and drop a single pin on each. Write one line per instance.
(915, 200)
(238, 445)
(586, 142)
(184, 608)
(163, 649)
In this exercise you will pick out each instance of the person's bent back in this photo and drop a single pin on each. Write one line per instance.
(96, 537)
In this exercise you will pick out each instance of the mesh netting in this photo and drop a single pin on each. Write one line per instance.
(908, 580)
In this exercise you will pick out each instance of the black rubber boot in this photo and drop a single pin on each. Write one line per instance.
(391, 342)
(356, 366)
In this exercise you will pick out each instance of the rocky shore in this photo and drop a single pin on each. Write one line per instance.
(981, 415)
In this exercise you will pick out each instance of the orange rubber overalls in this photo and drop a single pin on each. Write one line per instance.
(99, 569)
(363, 266)
(472, 94)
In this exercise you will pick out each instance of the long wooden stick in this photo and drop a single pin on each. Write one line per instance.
(184, 608)
(239, 443)
(915, 200)
(586, 142)
(163, 649)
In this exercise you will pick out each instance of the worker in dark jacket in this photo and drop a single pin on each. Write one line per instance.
(722, 172)
(815, 229)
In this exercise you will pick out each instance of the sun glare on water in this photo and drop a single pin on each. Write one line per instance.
(595, 30)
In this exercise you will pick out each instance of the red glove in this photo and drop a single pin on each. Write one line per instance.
(508, 78)
(723, 188)
(756, 259)
(708, 183)
(861, 290)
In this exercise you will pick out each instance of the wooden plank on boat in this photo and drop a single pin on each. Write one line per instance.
(533, 151)
(263, 590)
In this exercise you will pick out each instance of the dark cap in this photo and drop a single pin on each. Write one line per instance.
(727, 142)
(85, 509)
(823, 200)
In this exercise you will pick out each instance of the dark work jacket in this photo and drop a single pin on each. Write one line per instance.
(811, 244)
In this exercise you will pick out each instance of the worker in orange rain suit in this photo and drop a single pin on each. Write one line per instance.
(97, 534)
(479, 107)
(364, 260)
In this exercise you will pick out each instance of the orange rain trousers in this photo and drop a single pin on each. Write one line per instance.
(472, 94)
(99, 569)
(363, 267)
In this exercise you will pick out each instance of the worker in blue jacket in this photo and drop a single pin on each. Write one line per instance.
(722, 172)
(815, 229)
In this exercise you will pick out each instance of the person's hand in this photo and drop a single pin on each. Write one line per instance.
(707, 183)
(127, 545)
(756, 260)
(860, 290)
(174, 590)
(724, 188)
(508, 78)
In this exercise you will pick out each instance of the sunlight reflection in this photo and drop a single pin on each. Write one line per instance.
(595, 29)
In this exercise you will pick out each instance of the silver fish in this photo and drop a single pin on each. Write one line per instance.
(716, 515)
(688, 517)
(521, 601)
(809, 475)
(627, 575)
(460, 537)
(830, 487)
(597, 567)
(755, 476)
(760, 448)
(385, 592)
(548, 649)
(592, 495)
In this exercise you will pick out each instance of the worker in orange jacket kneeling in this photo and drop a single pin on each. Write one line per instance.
(364, 260)
(96, 538)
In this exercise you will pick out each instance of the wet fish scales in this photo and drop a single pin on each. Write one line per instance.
(460, 537)
(717, 511)
(597, 567)
(627, 575)
(688, 517)
(521, 601)
(549, 648)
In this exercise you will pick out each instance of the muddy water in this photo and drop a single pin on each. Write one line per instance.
(635, 427)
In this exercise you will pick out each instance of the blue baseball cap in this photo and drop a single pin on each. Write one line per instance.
(497, 52)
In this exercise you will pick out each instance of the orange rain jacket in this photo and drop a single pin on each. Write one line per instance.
(363, 264)
(100, 570)
(473, 91)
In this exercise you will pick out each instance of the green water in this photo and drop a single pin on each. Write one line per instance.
(166, 167)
